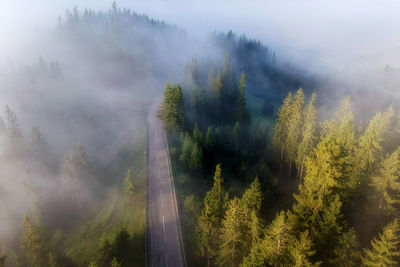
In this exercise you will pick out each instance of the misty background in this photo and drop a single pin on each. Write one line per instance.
(90, 83)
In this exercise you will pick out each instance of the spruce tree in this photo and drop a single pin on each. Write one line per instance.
(387, 184)
(294, 127)
(195, 158)
(300, 251)
(308, 138)
(209, 221)
(371, 143)
(385, 248)
(252, 197)
(197, 134)
(233, 231)
(35, 244)
(243, 114)
(272, 249)
(186, 149)
(171, 111)
(347, 251)
(281, 127)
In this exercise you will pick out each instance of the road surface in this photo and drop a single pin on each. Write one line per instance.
(163, 242)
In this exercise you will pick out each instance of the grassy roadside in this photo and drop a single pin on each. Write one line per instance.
(83, 242)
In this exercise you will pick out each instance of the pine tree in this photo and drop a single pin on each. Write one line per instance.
(347, 252)
(195, 158)
(387, 184)
(35, 244)
(208, 140)
(243, 114)
(171, 111)
(217, 86)
(186, 149)
(232, 236)
(309, 137)
(209, 221)
(300, 251)
(370, 146)
(252, 197)
(272, 249)
(281, 127)
(385, 249)
(197, 134)
(294, 127)
(128, 187)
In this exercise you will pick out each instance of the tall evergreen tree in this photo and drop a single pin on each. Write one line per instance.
(387, 184)
(281, 127)
(294, 127)
(309, 137)
(252, 197)
(172, 111)
(272, 249)
(243, 114)
(197, 134)
(371, 143)
(232, 249)
(186, 149)
(195, 157)
(385, 248)
(347, 252)
(209, 221)
(35, 244)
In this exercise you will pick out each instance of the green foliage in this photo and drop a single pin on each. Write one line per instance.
(387, 184)
(35, 244)
(172, 111)
(271, 249)
(370, 146)
(347, 252)
(243, 114)
(294, 125)
(208, 140)
(282, 122)
(197, 134)
(210, 218)
(186, 149)
(128, 187)
(385, 249)
(117, 252)
(309, 128)
(195, 158)
(252, 197)
(233, 236)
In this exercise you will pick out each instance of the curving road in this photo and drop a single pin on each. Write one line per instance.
(163, 242)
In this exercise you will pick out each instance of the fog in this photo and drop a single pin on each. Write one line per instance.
(322, 36)
(91, 85)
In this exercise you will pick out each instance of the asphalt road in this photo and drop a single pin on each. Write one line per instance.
(163, 246)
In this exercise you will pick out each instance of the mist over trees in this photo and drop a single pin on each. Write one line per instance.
(271, 168)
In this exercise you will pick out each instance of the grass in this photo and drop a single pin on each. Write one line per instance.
(82, 243)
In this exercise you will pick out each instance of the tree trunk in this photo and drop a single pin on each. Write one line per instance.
(290, 168)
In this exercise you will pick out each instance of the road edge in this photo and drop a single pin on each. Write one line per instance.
(182, 248)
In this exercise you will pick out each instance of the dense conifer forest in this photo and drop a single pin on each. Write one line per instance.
(272, 165)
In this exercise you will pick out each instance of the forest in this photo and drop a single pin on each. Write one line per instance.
(273, 164)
